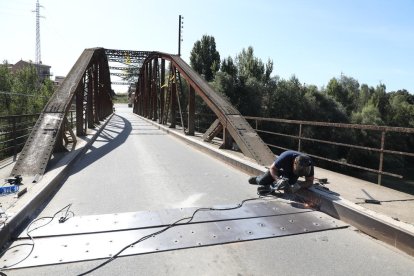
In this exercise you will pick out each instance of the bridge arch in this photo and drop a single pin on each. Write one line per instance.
(88, 87)
(157, 98)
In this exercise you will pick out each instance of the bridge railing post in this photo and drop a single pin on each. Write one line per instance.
(191, 110)
(79, 109)
(381, 161)
(14, 135)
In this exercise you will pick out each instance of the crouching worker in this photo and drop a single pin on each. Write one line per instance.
(284, 174)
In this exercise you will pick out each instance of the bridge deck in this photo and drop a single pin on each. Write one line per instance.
(133, 166)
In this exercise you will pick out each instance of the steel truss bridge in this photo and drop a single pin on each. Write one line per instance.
(160, 95)
(168, 92)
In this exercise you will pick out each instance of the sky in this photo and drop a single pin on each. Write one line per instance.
(315, 40)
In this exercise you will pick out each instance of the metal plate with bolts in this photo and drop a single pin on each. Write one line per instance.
(147, 219)
(74, 248)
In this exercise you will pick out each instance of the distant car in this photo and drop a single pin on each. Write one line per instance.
(130, 105)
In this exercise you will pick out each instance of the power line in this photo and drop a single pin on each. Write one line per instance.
(21, 94)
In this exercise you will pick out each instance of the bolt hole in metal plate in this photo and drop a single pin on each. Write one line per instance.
(81, 247)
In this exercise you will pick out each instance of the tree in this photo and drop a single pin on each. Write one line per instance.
(365, 94)
(246, 82)
(204, 58)
(320, 107)
(250, 66)
(22, 92)
(26, 83)
(370, 115)
(401, 111)
(287, 100)
(228, 66)
(380, 98)
(5, 86)
(345, 91)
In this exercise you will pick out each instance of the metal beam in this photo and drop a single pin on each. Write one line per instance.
(121, 83)
(127, 56)
(38, 149)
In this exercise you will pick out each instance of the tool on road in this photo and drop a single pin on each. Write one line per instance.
(5, 190)
(322, 181)
(279, 184)
(373, 201)
(16, 180)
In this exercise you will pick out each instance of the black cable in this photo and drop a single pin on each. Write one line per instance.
(28, 231)
(166, 228)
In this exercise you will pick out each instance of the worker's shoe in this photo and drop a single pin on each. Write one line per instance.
(253, 180)
(264, 190)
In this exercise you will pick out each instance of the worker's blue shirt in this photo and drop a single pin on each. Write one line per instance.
(284, 165)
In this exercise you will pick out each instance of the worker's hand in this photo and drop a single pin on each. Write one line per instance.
(293, 188)
(281, 183)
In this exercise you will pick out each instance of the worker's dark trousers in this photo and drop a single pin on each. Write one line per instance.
(265, 179)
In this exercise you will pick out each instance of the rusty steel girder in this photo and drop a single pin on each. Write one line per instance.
(152, 85)
(89, 82)
(127, 56)
(125, 64)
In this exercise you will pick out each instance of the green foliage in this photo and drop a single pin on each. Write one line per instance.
(320, 107)
(247, 82)
(22, 92)
(228, 66)
(369, 115)
(205, 59)
(345, 91)
(401, 109)
(287, 100)
(249, 66)
(5, 86)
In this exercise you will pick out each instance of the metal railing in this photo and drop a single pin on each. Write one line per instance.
(300, 137)
(15, 129)
(202, 121)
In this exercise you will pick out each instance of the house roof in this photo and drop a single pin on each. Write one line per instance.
(22, 63)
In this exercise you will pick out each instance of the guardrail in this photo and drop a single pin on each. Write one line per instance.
(14, 130)
(301, 137)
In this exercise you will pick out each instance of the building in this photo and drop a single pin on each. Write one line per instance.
(59, 79)
(43, 71)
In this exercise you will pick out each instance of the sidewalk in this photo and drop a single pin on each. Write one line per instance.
(396, 205)
(15, 211)
(392, 221)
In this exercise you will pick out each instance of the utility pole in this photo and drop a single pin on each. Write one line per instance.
(38, 59)
(180, 28)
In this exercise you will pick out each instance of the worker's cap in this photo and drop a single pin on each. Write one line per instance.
(302, 165)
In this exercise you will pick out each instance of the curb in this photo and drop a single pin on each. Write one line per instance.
(47, 185)
(397, 234)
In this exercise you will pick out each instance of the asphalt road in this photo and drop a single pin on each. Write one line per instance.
(133, 166)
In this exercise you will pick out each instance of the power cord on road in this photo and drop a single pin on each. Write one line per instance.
(62, 219)
(189, 219)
